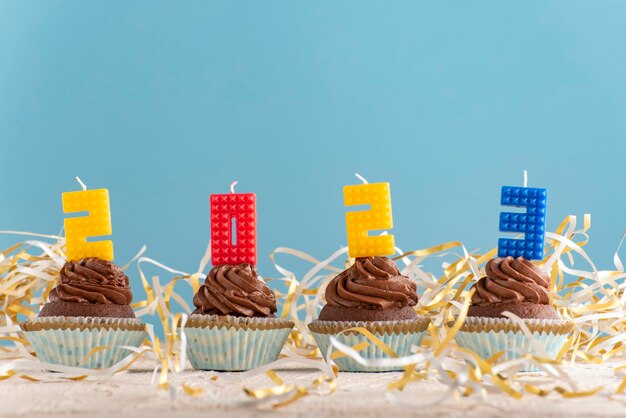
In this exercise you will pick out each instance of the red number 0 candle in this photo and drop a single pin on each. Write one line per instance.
(233, 228)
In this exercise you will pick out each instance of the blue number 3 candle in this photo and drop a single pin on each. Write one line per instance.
(532, 223)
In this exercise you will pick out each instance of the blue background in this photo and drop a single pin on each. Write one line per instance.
(166, 103)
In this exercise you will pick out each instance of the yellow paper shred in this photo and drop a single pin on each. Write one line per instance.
(595, 301)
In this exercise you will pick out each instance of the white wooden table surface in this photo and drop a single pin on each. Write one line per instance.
(132, 394)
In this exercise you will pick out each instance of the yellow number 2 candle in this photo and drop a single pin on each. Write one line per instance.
(378, 217)
(96, 223)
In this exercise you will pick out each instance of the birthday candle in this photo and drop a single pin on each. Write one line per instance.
(532, 223)
(378, 217)
(233, 228)
(96, 223)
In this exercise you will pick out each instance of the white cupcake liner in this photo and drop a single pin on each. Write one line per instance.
(227, 343)
(68, 340)
(488, 336)
(400, 336)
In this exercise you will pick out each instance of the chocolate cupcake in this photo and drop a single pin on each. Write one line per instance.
(371, 293)
(89, 308)
(90, 287)
(235, 291)
(234, 326)
(513, 285)
(518, 286)
(372, 289)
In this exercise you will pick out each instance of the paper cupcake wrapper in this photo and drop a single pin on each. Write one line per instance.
(227, 343)
(68, 340)
(488, 336)
(400, 336)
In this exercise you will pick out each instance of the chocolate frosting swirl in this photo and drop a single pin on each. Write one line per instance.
(512, 280)
(372, 283)
(92, 280)
(235, 290)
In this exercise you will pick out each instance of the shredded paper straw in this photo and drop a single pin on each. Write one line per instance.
(593, 301)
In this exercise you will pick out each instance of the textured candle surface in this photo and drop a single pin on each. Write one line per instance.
(97, 223)
(532, 223)
(378, 217)
(233, 211)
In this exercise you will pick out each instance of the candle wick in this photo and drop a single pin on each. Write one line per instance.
(360, 177)
(232, 186)
(525, 178)
(83, 185)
